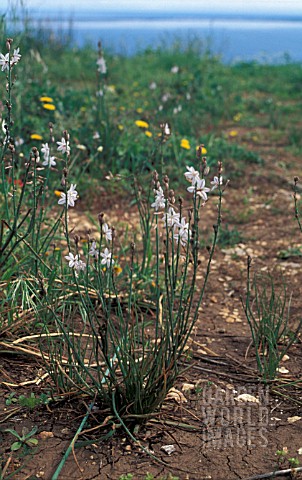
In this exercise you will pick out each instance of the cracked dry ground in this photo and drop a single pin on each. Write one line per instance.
(215, 436)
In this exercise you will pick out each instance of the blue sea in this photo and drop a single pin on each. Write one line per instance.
(270, 39)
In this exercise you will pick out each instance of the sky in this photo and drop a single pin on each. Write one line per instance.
(232, 6)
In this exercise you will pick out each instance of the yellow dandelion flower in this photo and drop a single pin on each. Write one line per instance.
(46, 99)
(237, 117)
(49, 106)
(117, 270)
(122, 108)
(185, 144)
(203, 150)
(120, 127)
(148, 133)
(141, 124)
(36, 136)
(233, 133)
(139, 110)
(57, 193)
(100, 148)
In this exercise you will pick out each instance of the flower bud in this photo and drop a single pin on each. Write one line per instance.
(9, 41)
(101, 219)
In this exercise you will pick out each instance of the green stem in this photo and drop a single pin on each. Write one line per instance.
(71, 446)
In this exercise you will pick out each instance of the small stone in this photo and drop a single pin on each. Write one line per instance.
(245, 397)
(293, 419)
(284, 358)
(282, 370)
(230, 320)
(187, 387)
(169, 449)
(45, 435)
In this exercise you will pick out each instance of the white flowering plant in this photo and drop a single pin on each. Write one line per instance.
(98, 338)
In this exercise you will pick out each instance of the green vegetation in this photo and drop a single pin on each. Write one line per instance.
(204, 101)
(267, 309)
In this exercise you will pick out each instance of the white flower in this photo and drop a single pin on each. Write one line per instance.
(165, 97)
(167, 129)
(192, 175)
(63, 146)
(4, 61)
(216, 182)
(184, 233)
(107, 258)
(62, 200)
(94, 252)
(72, 196)
(75, 262)
(201, 189)
(80, 265)
(107, 232)
(19, 141)
(16, 57)
(45, 149)
(160, 201)
(177, 109)
(36, 157)
(46, 153)
(49, 161)
(96, 136)
(101, 65)
(175, 69)
(152, 86)
(171, 218)
(72, 259)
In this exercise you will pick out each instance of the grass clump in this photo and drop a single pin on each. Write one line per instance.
(267, 309)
